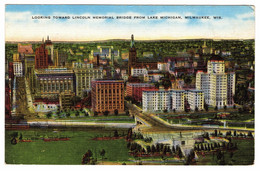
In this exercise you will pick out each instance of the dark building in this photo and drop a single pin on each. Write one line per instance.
(41, 57)
(132, 55)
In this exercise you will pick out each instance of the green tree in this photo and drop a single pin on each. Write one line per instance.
(49, 115)
(102, 154)
(116, 112)
(106, 113)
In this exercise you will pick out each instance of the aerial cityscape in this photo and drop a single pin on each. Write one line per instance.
(127, 99)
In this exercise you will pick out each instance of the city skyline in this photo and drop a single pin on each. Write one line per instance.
(236, 25)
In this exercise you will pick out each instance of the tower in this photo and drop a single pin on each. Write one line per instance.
(132, 55)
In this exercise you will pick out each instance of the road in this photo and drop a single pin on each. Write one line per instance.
(158, 124)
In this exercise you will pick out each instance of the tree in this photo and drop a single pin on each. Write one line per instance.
(225, 107)
(216, 108)
(127, 113)
(116, 134)
(49, 114)
(165, 110)
(234, 106)
(106, 113)
(68, 114)
(77, 113)
(196, 109)
(116, 112)
(206, 107)
(102, 154)
(87, 157)
(95, 113)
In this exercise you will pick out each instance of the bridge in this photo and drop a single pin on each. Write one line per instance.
(151, 122)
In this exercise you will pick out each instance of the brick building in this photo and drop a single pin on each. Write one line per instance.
(107, 95)
(41, 57)
(135, 90)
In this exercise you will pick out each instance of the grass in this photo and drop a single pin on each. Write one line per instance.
(198, 118)
(63, 152)
(243, 156)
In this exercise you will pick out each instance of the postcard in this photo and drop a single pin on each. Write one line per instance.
(129, 84)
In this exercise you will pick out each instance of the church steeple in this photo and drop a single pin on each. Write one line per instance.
(132, 41)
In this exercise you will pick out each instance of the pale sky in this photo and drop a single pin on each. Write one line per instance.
(238, 22)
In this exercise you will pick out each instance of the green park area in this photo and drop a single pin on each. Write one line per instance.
(64, 152)
(232, 119)
(244, 155)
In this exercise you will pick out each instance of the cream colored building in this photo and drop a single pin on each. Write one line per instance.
(84, 76)
(218, 86)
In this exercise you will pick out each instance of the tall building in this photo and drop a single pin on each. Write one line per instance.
(160, 100)
(51, 82)
(156, 100)
(41, 57)
(132, 55)
(107, 95)
(29, 62)
(84, 76)
(135, 90)
(59, 58)
(49, 47)
(218, 86)
(17, 65)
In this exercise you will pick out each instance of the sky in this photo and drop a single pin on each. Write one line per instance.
(237, 22)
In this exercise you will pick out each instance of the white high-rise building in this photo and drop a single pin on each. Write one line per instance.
(159, 100)
(156, 100)
(218, 86)
(18, 69)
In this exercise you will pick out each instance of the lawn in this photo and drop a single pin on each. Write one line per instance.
(63, 152)
(243, 156)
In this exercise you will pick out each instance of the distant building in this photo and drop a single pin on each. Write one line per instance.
(135, 90)
(25, 48)
(80, 65)
(153, 76)
(107, 95)
(51, 82)
(138, 71)
(162, 66)
(84, 76)
(218, 86)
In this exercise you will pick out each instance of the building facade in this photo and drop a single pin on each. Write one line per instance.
(160, 100)
(135, 90)
(107, 95)
(136, 72)
(84, 76)
(218, 86)
(156, 100)
(51, 82)
(59, 58)
(41, 57)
